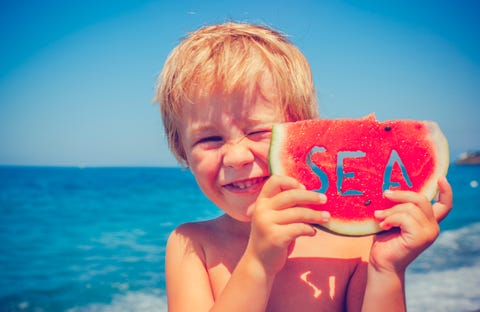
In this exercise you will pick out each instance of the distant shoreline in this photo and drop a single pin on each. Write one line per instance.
(469, 158)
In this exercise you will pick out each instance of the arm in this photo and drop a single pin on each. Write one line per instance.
(188, 286)
(188, 282)
(276, 221)
(274, 228)
(417, 228)
(385, 291)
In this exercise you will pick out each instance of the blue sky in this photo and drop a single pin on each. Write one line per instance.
(77, 77)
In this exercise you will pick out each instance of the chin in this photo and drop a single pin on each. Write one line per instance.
(241, 214)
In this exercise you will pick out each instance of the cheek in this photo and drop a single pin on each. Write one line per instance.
(206, 173)
(203, 163)
(261, 151)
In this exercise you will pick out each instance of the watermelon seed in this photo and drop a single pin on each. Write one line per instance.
(388, 128)
(368, 202)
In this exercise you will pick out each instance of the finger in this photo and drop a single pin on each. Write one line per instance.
(418, 199)
(445, 200)
(302, 215)
(277, 184)
(292, 198)
(403, 215)
(414, 230)
(295, 230)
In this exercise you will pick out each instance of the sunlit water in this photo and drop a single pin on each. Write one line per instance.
(93, 240)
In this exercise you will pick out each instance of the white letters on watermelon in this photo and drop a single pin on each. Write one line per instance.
(341, 175)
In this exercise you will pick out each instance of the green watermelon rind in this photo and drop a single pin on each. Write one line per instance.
(369, 226)
(430, 190)
(358, 228)
(275, 148)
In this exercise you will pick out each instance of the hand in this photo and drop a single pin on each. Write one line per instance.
(417, 227)
(279, 217)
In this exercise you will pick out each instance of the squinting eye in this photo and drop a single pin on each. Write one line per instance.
(210, 139)
(260, 135)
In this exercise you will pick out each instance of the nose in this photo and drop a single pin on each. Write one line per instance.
(238, 154)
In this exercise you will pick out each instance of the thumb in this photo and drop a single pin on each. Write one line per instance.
(445, 201)
(277, 184)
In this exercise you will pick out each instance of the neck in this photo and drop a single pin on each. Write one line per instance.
(234, 226)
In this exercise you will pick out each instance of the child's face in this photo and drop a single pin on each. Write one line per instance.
(226, 139)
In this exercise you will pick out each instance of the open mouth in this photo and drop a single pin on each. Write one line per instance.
(246, 185)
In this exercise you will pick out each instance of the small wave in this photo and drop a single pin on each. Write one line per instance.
(452, 249)
(452, 290)
(130, 240)
(447, 276)
(128, 302)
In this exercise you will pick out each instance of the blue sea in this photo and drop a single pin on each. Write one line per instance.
(93, 239)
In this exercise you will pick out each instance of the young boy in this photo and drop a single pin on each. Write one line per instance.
(220, 92)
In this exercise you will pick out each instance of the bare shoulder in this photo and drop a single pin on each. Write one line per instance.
(208, 244)
(186, 259)
(191, 231)
(191, 237)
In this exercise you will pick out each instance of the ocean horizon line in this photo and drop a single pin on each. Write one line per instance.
(106, 166)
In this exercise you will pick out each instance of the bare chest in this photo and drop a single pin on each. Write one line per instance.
(313, 278)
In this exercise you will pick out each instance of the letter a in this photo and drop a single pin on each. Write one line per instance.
(387, 175)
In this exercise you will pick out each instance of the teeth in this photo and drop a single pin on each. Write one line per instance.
(246, 184)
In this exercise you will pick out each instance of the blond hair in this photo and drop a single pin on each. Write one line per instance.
(232, 56)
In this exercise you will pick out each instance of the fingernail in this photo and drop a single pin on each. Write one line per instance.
(325, 216)
(387, 193)
(384, 226)
(379, 213)
(322, 197)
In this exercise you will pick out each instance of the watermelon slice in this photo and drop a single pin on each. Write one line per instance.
(353, 161)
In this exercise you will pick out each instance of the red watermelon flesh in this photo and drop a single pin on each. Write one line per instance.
(353, 161)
